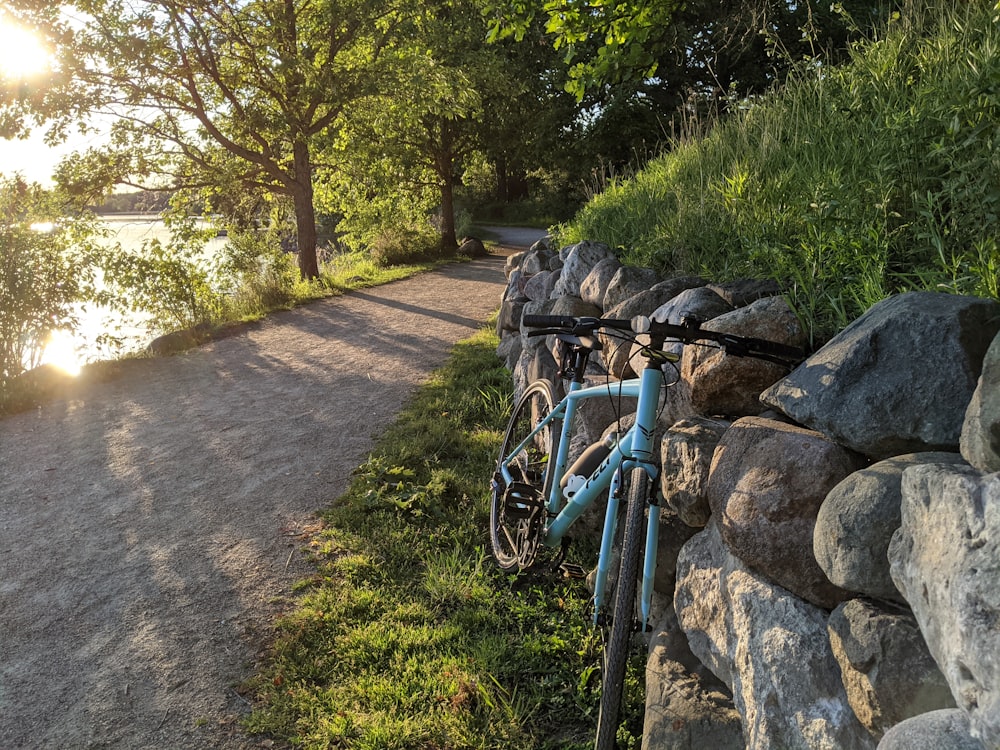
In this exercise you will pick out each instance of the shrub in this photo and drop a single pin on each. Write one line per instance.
(849, 184)
(396, 246)
(45, 272)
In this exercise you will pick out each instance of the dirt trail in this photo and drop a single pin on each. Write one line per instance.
(149, 526)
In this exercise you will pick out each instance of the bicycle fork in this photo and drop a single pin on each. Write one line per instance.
(639, 455)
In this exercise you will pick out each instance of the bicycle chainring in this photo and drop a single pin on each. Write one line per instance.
(523, 515)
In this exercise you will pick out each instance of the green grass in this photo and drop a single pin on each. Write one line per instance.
(847, 185)
(408, 636)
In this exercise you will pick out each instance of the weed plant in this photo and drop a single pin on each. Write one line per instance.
(847, 185)
(409, 636)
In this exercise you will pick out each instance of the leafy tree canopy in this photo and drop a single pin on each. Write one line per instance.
(244, 87)
(678, 43)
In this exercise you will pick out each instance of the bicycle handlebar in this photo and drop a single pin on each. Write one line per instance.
(739, 346)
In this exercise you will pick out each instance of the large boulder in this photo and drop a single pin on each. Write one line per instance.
(578, 261)
(513, 263)
(767, 482)
(699, 303)
(857, 520)
(572, 307)
(685, 459)
(617, 352)
(887, 670)
(595, 285)
(769, 647)
(673, 534)
(947, 729)
(898, 379)
(724, 384)
(509, 317)
(509, 350)
(980, 441)
(536, 259)
(473, 247)
(687, 707)
(539, 287)
(531, 343)
(628, 281)
(945, 558)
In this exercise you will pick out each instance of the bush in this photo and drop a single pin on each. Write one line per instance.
(849, 184)
(256, 273)
(396, 246)
(45, 272)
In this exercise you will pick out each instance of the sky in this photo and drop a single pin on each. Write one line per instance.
(34, 159)
(23, 57)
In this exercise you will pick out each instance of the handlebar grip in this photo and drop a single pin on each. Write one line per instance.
(548, 321)
(773, 348)
(740, 346)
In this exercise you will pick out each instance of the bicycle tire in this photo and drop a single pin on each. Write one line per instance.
(533, 468)
(616, 647)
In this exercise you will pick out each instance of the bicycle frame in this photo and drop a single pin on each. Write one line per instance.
(632, 450)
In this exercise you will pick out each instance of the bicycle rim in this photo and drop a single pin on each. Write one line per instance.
(513, 539)
(616, 647)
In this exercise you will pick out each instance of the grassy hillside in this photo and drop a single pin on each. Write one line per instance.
(847, 185)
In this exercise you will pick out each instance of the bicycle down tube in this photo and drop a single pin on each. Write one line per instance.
(630, 450)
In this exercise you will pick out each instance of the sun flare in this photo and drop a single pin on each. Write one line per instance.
(22, 53)
(61, 352)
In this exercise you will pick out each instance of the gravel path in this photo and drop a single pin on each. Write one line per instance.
(150, 525)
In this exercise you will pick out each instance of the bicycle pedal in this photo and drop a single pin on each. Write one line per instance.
(577, 572)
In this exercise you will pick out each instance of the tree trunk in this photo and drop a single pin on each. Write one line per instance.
(445, 166)
(305, 212)
(449, 242)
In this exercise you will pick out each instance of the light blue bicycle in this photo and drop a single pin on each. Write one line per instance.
(536, 498)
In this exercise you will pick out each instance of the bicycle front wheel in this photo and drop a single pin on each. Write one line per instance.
(515, 514)
(616, 646)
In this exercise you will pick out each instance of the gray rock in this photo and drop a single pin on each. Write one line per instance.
(535, 260)
(770, 647)
(473, 248)
(578, 261)
(945, 558)
(685, 458)
(697, 302)
(767, 482)
(542, 245)
(980, 442)
(947, 729)
(857, 520)
(898, 379)
(572, 307)
(673, 535)
(513, 263)
(531, 343)
(687, 707)
(509, 350)
(594, 286)
(887, 670)
(509, 317)
(626, 282)
(723, 384)
(178, 341)
(539, 287)
(746, 291)
(533, 364)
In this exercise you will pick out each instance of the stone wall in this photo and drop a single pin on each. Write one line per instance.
(829, 572)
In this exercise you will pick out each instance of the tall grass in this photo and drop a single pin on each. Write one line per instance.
(848, 184)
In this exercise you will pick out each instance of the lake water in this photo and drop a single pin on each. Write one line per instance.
(68, 350)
